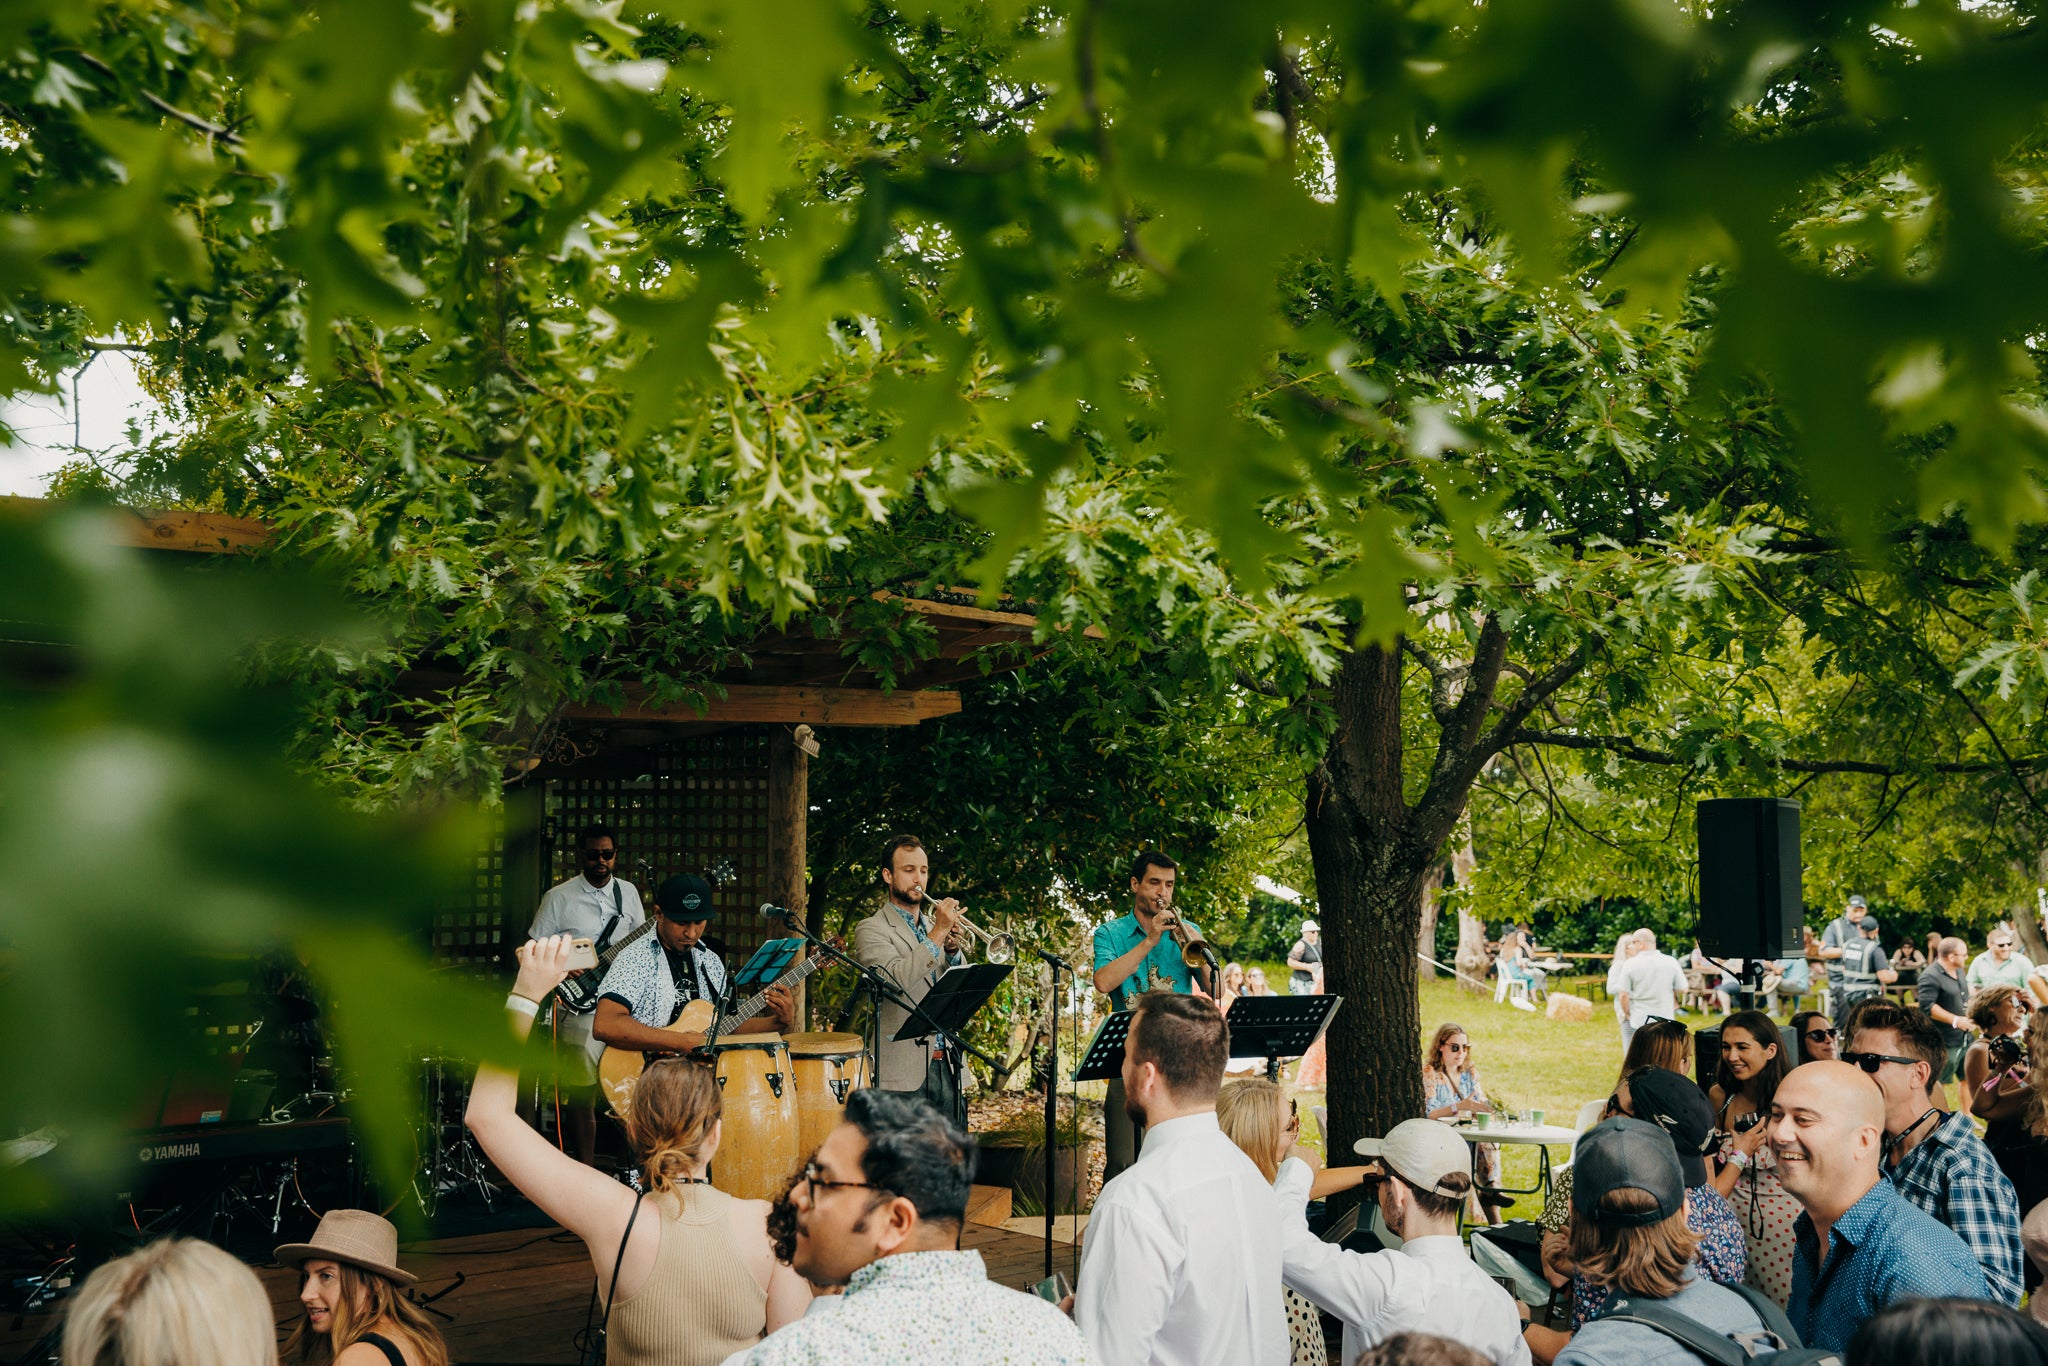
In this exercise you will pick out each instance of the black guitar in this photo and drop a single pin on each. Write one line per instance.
(578, 995)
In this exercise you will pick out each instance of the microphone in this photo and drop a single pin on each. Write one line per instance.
(771, 911)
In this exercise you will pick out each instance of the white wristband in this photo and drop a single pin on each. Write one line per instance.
(524, 1005)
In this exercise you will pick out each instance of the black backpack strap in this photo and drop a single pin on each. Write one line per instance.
(611, 926)
(1701, 1340)
(1767, 1309)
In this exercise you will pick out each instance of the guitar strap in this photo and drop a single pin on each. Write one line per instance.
(618, 913)
(694, 990)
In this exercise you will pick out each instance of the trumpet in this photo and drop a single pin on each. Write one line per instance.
(998, 947)
(1195, 952)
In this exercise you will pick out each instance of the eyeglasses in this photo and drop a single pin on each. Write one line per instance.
(1870, 1062)
(1820, 1036)
(813, 1181)
(601, 855)
(1458, 1047)
(2002, 944)
(1293, 1117)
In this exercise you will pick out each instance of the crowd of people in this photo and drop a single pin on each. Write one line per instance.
(1818, 1191)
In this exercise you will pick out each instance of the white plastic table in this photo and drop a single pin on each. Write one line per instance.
(1541, 1137)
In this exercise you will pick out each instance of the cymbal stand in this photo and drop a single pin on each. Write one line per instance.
(446, 1165)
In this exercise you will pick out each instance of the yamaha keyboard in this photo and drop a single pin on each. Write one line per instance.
(207, 1143)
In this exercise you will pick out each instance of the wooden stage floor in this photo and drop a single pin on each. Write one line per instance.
(524, 1292)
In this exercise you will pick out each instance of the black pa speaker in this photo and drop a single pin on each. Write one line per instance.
(1750, 905)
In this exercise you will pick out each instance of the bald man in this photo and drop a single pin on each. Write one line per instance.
(1859, 1245)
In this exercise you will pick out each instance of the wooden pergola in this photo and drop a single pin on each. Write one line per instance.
(794, 679)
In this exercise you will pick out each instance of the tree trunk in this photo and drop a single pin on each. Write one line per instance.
(1472, 961)
(1432, 906)
(1369, 883)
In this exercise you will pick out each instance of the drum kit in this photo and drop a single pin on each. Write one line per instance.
(781, 1095)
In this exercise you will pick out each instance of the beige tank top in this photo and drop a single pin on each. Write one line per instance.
(701, 1304)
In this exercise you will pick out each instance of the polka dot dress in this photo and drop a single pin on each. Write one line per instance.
(1766, 1211)
(1304, 1332)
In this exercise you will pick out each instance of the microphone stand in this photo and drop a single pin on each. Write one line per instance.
(1052, 1094)
(882, 986)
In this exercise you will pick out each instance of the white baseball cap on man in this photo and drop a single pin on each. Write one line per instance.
(1310, 927)
(1421, 1152)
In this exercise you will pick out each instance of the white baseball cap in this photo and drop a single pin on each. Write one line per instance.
(1308, 925)
(1421, 1152)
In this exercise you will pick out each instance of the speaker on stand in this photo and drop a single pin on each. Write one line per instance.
(1751, 906)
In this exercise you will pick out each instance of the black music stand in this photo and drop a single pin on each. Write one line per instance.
(952, 1002)
(1278, 1027)
(1103, 1059)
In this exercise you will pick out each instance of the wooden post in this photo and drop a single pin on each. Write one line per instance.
(789, 804)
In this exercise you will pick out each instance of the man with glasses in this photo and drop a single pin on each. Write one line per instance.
(879, 1211)
(2001, 964)
(1933, 1156)
(598, 906)
(1858, 1245)
(1422, 1174)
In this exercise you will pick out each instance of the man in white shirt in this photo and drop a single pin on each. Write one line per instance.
(598, 906)
(1429, 1285)
(1181, 1265)
(1651, 983)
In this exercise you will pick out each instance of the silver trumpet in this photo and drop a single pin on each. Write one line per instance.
(998, 947)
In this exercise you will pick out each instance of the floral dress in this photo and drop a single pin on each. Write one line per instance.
(1766, 1211)
(1442, 1091)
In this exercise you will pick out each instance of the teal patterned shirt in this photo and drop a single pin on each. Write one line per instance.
(1167, 972)
(925, 1309)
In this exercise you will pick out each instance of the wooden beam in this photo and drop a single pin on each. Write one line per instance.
(946, 611)
(206, 533)
(815, 706)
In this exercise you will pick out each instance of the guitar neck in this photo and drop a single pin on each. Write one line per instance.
(753, 1005)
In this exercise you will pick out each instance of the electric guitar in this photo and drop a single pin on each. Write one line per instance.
(578, 995)
(620, 1068)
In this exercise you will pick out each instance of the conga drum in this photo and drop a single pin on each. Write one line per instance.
(758, 1152)
(829, 1067)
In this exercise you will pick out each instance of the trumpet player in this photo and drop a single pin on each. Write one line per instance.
(908, 941)
(1134, 954)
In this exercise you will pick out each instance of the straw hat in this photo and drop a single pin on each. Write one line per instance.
(355, 1236)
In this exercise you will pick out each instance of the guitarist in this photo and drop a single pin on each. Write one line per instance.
(652, 980)
(599, 906)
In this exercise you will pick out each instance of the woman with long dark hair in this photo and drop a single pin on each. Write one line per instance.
(354, 1293)
(1815, 1037)
(1753, 1062)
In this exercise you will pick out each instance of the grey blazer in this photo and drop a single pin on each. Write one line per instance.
(885, 943)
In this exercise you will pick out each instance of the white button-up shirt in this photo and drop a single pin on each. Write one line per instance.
(1429, 1285)
(1181, 1265)
(575, 907)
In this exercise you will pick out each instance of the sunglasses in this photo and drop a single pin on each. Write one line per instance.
(1870, 1062)
(1458, 1047)
(1293, 1117)
(600, 855)
(1820, 1036)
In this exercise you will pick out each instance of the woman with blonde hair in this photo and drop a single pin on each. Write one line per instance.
(1259, 1118)
(354, 1293)
(697, 1279)
(176, 1302)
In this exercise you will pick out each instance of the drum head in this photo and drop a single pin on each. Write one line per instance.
(824, 1045)
(767, 1043)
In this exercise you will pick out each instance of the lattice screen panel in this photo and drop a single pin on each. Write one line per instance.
(696, 801)
(475, 935)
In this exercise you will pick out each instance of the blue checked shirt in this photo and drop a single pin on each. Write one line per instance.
(1881, 1251)
(1952, 1176)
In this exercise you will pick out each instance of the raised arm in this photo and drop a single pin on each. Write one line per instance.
(907, 963)
(581, 1199)
(1116, 971)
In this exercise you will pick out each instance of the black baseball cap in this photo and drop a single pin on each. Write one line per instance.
(1868, 924)
(1626, 1154)
(1674, 1104)
(684, 897)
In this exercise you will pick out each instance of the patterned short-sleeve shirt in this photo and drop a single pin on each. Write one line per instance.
(641, 981)
(1163, 967)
